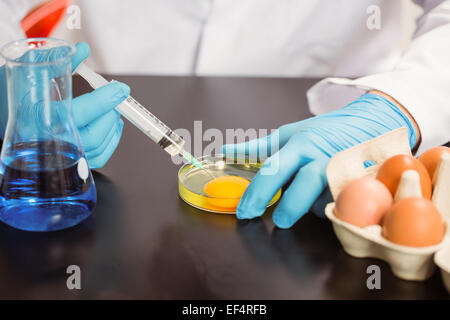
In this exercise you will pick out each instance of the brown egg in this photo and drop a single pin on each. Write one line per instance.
(414, 222)
(391, 171)
(363, 202)
(430, 158)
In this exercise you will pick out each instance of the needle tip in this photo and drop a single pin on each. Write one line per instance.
(189, 157)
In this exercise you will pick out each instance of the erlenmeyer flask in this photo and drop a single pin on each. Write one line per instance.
(45, 182)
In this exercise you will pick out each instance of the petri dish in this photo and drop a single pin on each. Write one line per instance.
(192, 181)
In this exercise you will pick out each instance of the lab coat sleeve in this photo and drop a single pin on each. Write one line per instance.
(11, 13)
(420, 81)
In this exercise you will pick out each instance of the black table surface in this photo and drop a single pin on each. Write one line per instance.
(144, 242)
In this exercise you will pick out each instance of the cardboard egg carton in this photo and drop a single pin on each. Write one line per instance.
(409, 263)
(442, 260)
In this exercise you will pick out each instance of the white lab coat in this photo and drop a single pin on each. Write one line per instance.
(289, 38)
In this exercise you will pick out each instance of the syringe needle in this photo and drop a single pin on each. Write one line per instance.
(189, 157)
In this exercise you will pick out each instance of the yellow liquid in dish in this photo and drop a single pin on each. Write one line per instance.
(220, 194)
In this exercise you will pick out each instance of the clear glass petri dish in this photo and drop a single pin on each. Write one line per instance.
(192, 181)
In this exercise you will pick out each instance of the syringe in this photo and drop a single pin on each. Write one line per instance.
(143, 119)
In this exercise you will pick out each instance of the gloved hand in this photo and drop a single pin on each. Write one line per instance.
(94, 114)
(305, 147)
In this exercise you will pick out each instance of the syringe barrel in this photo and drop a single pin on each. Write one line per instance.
(156, 130)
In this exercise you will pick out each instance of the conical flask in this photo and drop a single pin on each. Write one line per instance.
(45, 181)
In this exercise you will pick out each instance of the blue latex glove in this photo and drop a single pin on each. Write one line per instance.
(305, 147)
(94, 114)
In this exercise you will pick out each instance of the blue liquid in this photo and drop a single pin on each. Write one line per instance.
(41, 188)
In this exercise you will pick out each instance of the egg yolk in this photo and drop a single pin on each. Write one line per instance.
(226, 191)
